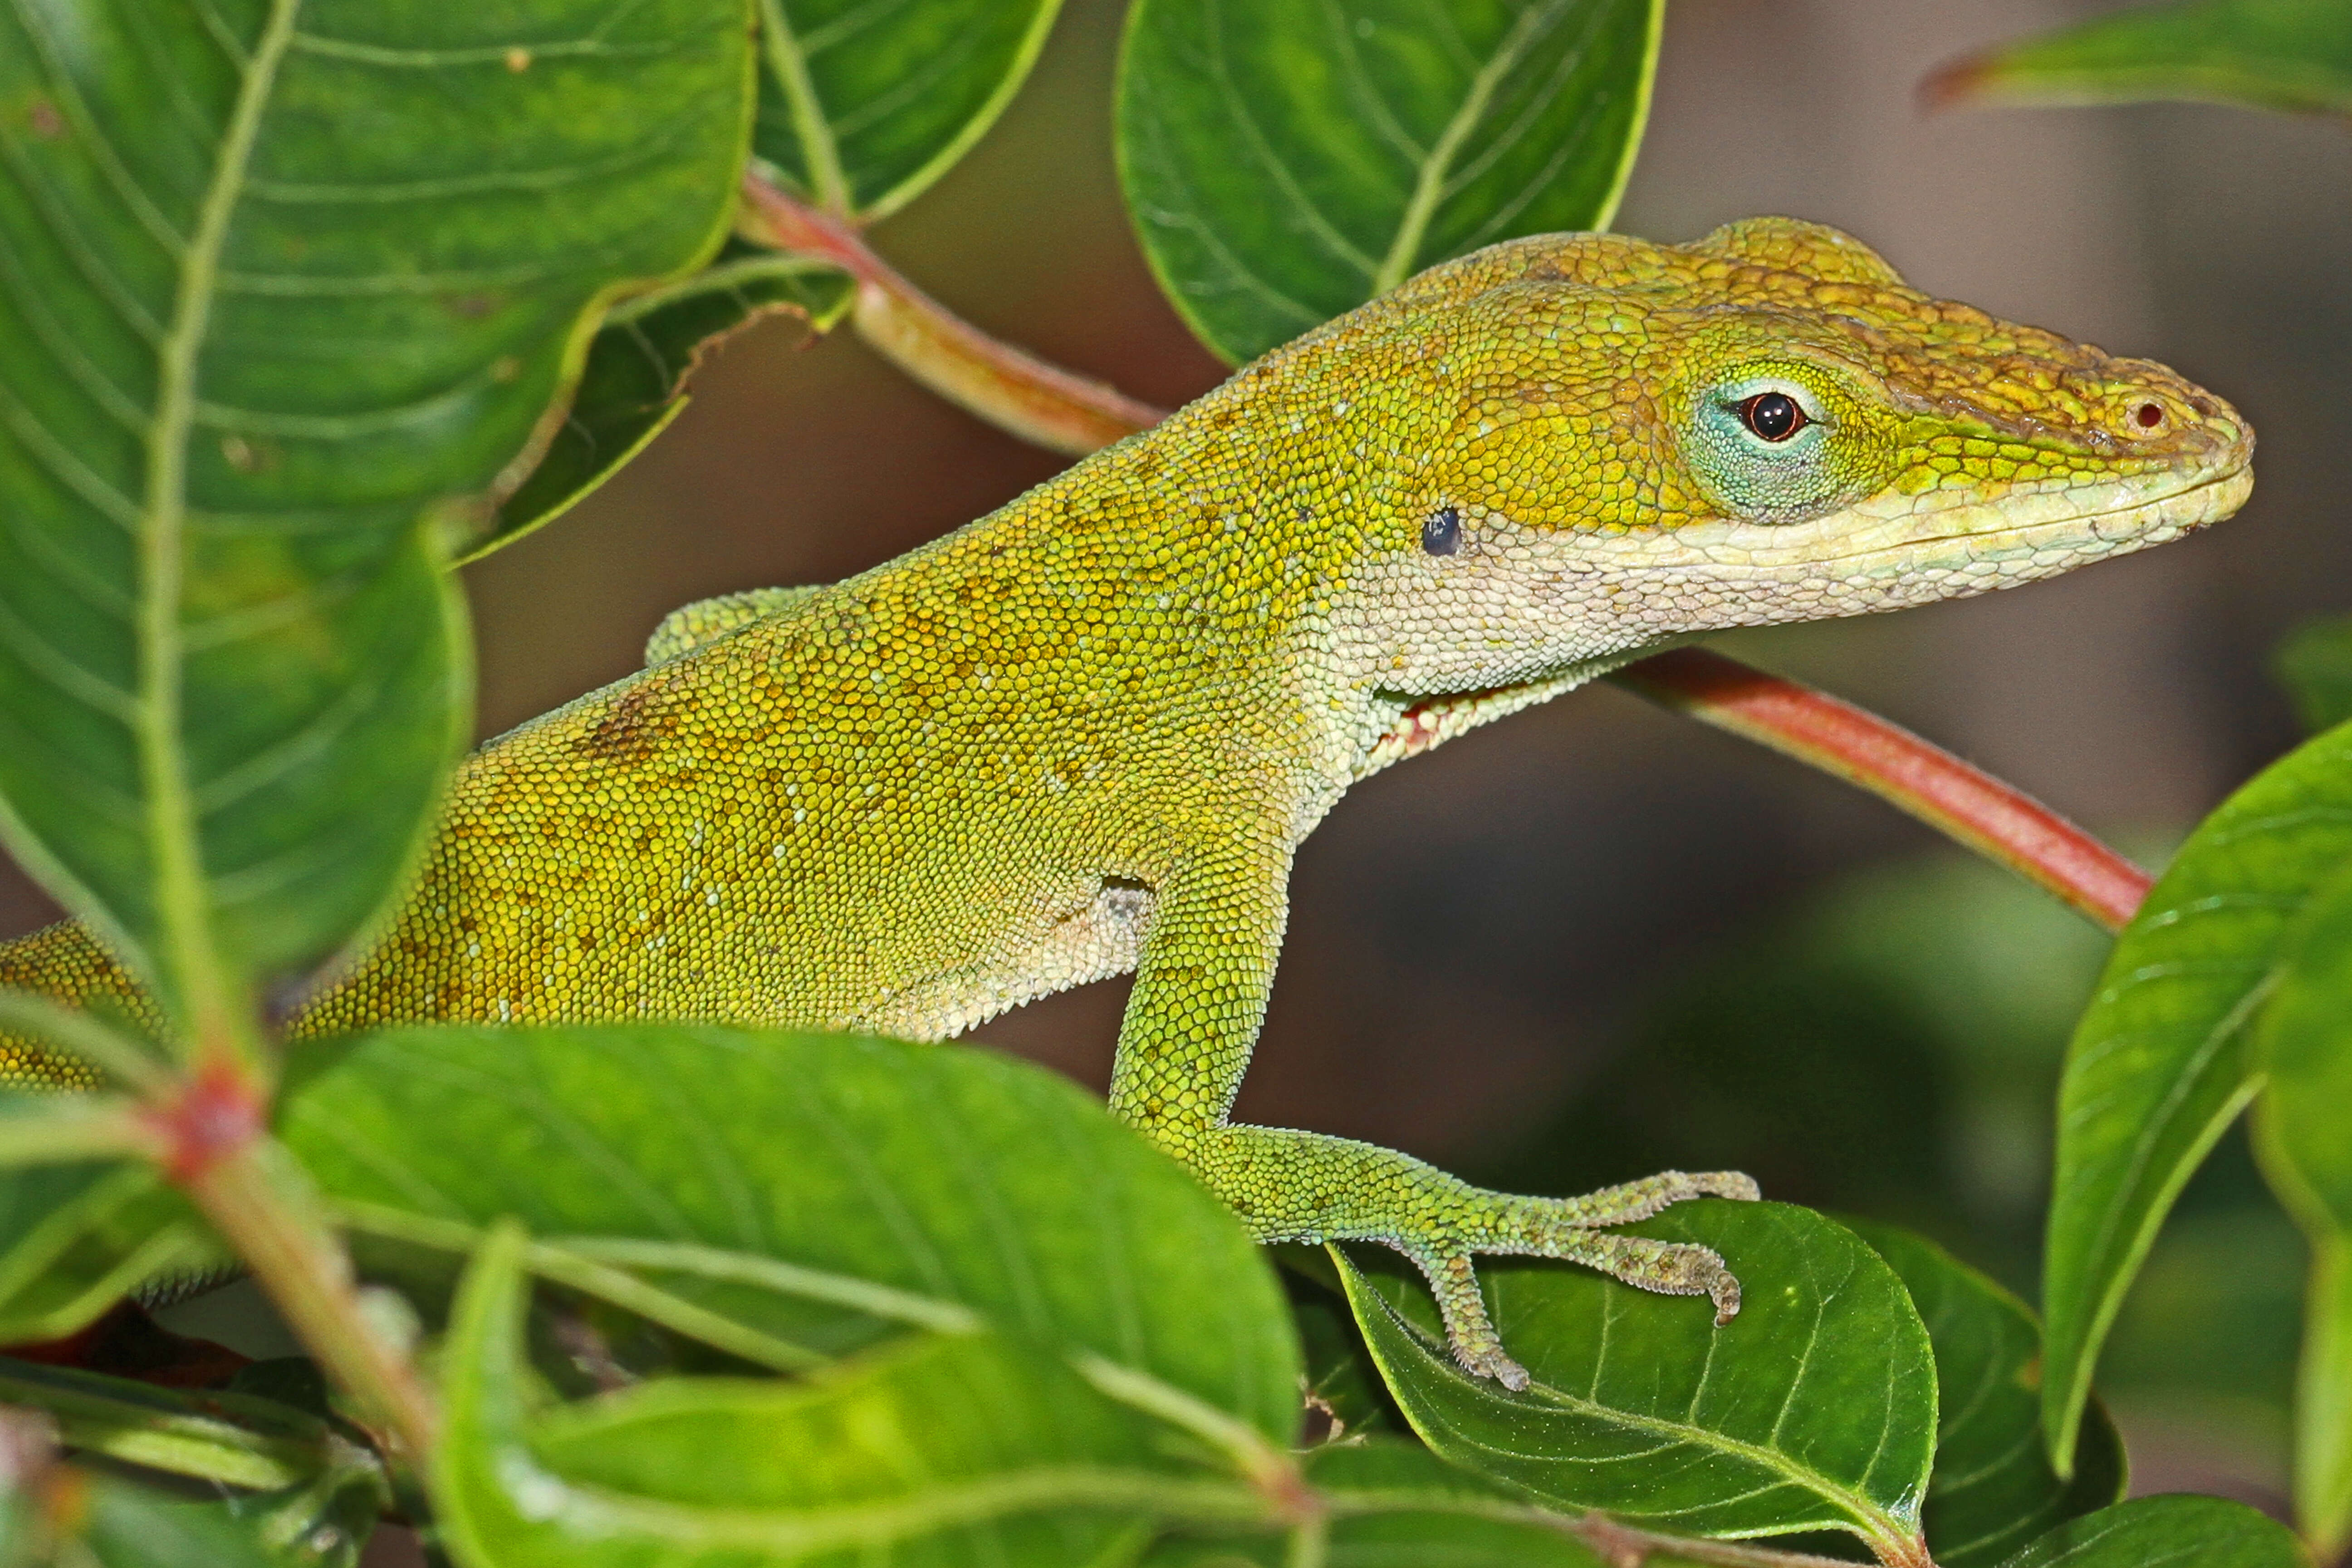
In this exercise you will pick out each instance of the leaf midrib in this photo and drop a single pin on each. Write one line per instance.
(789, 62)
(1879, 1522)
(1870, 1515)
(190, 954)
(1428, 185)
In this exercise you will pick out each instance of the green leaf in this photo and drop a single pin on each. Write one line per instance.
(235, 1439)
(639, 364)
(972, 1448)
(324, 1522)
(2206, 1343)
(74, 1239)
(2266, 54)
(2180, 1531)
(2305, 1049)
(75, 1520)
(318, 1493)
(132, 1527)
(862, 106)
(1394, 1504)
(1285, 161)
(2160, 1061)
(1813, 1409)
(1343, 1385)
(2314, 664)
(2306, 1146)
(850, 1186)
(275, 298)
(2323, 1400)
(1992, 1489)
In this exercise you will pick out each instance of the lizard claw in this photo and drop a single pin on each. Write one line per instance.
(1469, 1332)
(1492, 1361)
(1723, 1291)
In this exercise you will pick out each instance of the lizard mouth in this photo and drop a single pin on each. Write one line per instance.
(2169, 514)
(1887, 536)
(1883, 553)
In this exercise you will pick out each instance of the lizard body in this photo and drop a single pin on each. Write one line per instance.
(1085, 735)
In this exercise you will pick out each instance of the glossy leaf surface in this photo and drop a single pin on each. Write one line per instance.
(75, 1238)
(1813, 1409)
(279, 285)
(901, 1184)
(2160, 1060)
(1393, 1503)
(60, 1515)
(2179, 1531)
(2268, 53)
(2322, 1399)
(938, 1451)
(863, 105)
(1992, 1489)
(130, 1526)
(232, 1438)
(639, 364)
(1285, 161)
(2306, 1126)
(2307, 1051)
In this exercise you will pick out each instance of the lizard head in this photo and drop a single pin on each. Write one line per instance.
(1768, 424)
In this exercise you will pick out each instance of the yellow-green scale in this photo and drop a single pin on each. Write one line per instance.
(1086, 734)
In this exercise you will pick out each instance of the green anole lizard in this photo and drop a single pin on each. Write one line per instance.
(1085, 735)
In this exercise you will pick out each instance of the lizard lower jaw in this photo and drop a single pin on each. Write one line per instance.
(1717, 576)
(1895, 533)
(1892, 533)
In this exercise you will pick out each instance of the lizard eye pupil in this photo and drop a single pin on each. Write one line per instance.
(1442, 534)
(1773, 415)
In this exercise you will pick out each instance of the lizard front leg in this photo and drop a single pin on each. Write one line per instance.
(1200, 996)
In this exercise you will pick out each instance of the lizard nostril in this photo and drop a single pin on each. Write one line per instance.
(2148, 416)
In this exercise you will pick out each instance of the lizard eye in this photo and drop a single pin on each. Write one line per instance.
(1764, 440)
(1773, 415)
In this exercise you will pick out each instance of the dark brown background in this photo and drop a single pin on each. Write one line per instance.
(1472, 933)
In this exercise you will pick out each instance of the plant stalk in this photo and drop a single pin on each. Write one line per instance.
(1009, 387)
(1043, 404)
(256, 1196)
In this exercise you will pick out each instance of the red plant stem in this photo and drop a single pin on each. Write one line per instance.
(1997, 820)
(212, 1129)
(1066, 412)
(1038, 402)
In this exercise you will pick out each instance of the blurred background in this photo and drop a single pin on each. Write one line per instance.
(1596, 939)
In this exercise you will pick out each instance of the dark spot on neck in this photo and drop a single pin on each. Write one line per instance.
(1442, 534)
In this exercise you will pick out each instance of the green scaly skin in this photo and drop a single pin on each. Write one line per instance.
(1086, 734)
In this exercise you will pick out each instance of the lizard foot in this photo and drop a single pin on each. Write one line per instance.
(1306, 1186)
(1469, 1332)
(1569, 1229)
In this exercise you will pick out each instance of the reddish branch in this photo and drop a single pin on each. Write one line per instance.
(1038, 402)
(1053, 408)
